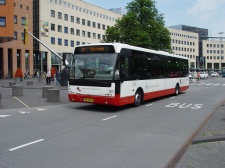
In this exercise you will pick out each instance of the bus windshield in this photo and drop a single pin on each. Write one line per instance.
(93, 66)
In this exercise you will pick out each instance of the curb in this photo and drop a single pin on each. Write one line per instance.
(209, 139)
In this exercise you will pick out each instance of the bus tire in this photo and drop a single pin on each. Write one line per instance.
(138, 98)
(177, 90)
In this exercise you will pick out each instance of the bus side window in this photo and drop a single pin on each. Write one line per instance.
(124, 67)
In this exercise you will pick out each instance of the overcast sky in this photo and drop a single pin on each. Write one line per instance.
(209, 14)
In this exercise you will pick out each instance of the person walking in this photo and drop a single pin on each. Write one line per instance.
(25, 75)
(48, 77)
(56, 75)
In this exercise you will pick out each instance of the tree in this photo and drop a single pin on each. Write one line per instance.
(141, 26)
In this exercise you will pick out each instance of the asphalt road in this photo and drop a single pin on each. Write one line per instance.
(85, 135)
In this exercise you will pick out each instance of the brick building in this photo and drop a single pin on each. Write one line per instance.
(14, 16)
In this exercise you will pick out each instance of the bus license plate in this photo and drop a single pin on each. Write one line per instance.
(88, 100)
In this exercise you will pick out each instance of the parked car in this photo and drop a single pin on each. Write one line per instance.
(214, 74)
(204, 75)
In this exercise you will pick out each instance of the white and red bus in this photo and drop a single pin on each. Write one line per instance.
(119, 74)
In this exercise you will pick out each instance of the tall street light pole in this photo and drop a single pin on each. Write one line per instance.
(221, 49)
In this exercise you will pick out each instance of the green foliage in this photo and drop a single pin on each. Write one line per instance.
(142, 26)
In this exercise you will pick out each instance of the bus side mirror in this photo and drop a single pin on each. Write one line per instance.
(64, 58)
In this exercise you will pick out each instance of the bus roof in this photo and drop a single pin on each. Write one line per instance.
(119, 46)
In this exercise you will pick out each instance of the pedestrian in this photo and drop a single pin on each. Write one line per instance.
(198, 76)
(25, 74)
(37, 74)
(56, 75)
(48, 77)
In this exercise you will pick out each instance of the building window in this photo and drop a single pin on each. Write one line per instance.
(83, 33)
(65, 42)
(65, 17)
(53, 27)
(15, 35)
(21, 6)
(94, 35)
(83, 21)
(72, 19)
(59, 41)
(23, 20)
(52, 40)
(78, 20)
(78, 32)
(59, 15)
(15, 19)
(89, 23)
(22, 36)
(99, 36)
(72, 31)
(59, 28)
(89, 34)
(77, 43)
(27, 7)
(52, 13)
(2, 2)
(66, 30)
(72, 43)
(99, 26)
(103, 27)
(93, 24)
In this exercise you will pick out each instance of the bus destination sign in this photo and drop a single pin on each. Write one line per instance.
(94, 49)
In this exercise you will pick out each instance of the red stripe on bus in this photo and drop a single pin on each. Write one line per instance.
(117, 101)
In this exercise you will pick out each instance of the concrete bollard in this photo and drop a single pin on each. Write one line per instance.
(0, 99)
(11, 83)
(29, 82)
(53, 95)
(44, 90)
(17, 90)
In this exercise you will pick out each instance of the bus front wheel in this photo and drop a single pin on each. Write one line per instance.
(137, 98)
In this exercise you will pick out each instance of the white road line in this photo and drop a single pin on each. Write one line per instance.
(20, 101)
(2, 116)
(109, 118)
(150, 104)
(172, 98)
(21, 146)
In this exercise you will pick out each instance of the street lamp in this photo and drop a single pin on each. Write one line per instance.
(221, 49)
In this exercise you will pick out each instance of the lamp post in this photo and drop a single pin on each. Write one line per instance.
(221, 49)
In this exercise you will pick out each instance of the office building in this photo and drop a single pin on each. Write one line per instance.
(63, 24)
(185, 44)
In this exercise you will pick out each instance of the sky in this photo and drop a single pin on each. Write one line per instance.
(208, 14)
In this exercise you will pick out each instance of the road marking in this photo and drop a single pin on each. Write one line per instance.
(2, 116)
(172, 97)
(150, 104)
(216, 84)
(20, 101)
(24, 112)
(109, 118)
(21, 146)
(41, 109)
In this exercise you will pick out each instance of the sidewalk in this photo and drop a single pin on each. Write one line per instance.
(32, 94)
(208, 147)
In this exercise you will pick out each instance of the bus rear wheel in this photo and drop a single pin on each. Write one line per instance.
(138, 98)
